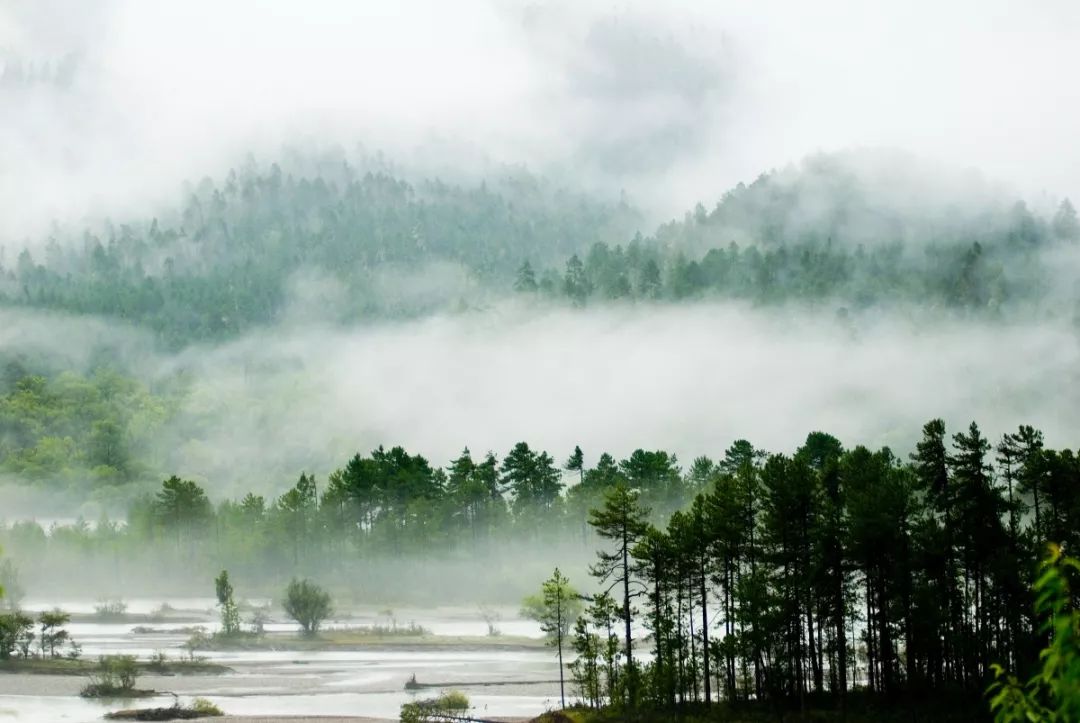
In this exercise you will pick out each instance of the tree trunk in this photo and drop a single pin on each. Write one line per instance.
(705, 633)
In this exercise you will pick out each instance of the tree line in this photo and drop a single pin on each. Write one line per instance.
(225, 259)
(987, 264)
(806, 577)
(934, 551)
(221, 261)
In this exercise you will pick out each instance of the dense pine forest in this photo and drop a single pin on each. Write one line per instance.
(811, 575)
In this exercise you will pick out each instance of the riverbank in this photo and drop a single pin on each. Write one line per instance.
(959, 708)
(64, 666)
(345, 640)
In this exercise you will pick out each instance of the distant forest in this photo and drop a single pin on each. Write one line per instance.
(222, 262)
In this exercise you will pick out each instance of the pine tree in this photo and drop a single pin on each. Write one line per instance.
(1065, 224)
(526, 279)
(576, 283)
(576, 463)
(622, 520)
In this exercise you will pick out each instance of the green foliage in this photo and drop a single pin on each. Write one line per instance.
(182, 507)
(227, 258)
(110, 610)
(785, 578)
(52, 635)
(16, 634)
(622, 521)
(231, 256)
(116, 677)
(1053, 693)
(198, 640)
(555, 608)
(307, 604)
(204, 707)
(448, 703)
(532, 478)
(230, 614)
(834, 570)
(78, 431)
(11, 589)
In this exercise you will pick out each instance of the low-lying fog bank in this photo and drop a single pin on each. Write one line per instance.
(689, 379)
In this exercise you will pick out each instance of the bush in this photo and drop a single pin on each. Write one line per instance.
(449, 703)
(16, 634)
(116, 676)
(204, 707)
(198, 640)
(110, 609)
(159, 661)
(307, 604)
(1052, 694)
(258, 621)
(412, 630)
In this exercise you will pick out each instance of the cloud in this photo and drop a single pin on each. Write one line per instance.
(672, 103)
(105, 107)
(691, 379)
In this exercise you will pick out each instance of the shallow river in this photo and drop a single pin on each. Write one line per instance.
(369, 682)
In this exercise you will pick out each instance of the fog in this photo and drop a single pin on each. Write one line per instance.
(108, 109)
(690, 379)
(687, 379)
(108, 105)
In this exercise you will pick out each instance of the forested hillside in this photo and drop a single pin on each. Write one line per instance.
(855, 230)
(73, 431)
(238, 253)
(221, 263)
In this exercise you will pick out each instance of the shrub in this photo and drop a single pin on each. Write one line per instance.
(448, 703)
(159, 661)
(308, 604)
(16, 634)
(197, 640)
(1053, 693)
(110, 609)
(116, 676)
(204, 707)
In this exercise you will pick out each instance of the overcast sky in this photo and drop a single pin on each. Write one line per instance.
(672, 101)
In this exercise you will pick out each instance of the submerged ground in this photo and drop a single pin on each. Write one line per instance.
(510, 675)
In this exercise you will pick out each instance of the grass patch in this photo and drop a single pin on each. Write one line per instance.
(360, 638)
(110, 690)
(148, 630)
(199, 708)
(48, 666)
(64, 666)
